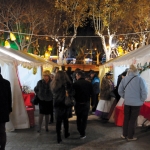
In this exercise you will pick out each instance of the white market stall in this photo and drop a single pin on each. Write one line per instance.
(140, 58)
(20, 69)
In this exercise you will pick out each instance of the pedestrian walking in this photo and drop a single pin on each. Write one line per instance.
(59, 85)
(96, 90)
(5, 108)
(45, 96)
(134, 91)
(83, 92)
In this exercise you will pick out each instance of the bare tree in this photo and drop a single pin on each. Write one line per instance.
(24, 19)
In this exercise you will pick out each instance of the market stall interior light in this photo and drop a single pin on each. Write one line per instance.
(13, 55)
(12, 37)
(7, 44)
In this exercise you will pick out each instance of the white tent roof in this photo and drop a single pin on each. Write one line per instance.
(141, 55)
(23, 58)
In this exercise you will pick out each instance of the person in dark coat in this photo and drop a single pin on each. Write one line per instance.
(83, 92)
(5, 108)
(59, 85)
(120, 77)
(96, 90)
(45, 96)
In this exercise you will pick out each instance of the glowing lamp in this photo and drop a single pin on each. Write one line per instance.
(12, 37)
(27, 38)
(50, 48)
(7, 45)
(47, 54)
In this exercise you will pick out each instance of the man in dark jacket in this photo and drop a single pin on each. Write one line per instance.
(83, 92)
(5, 108)
(96, 90)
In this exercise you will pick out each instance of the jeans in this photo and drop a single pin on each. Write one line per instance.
(82, 111)
(130, 116)
(2, 136)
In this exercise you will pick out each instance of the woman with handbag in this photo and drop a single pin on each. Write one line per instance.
(59, 85)
(45, 96)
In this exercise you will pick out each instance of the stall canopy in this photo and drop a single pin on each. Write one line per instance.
(139, 57)
(29, 66)
(20, 68)
(21, 57)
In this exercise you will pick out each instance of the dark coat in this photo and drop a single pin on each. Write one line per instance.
(83, 91)
(5, 100)
(43, 91)
(61, 110)
(106, 89)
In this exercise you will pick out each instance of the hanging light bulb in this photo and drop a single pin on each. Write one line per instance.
(50, 48)
(12, 37)
(7, 44)
(47, 55)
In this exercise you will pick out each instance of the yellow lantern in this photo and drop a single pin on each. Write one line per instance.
(7, 45)
(47, 54)
(49, 48)
(120, 50)
(12, 37)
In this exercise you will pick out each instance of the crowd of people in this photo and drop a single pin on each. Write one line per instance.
(86, 89)
(51, 91)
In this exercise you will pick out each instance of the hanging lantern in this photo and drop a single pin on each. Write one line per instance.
(120, 50)
(12, 37)
(50, 48)
(34, 70)
(47, 55)
(7, 44)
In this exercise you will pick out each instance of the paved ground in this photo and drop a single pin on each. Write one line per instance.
(100, 136)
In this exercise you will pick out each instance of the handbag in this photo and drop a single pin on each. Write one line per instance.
(35, 100)
(69, 100)
(112, 94)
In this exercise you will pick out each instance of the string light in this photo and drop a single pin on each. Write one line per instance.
(76, 36)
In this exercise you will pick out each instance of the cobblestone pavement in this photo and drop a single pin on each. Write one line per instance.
(100, 136)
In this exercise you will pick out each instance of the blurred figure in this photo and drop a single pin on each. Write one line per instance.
(87, 78)
(74, 75)
(96, 90)
(5, 108)
(120, 77)
(69, 73)
(105, 103)
(83, 92)
(134, 91)
(59, 85)
(45, 96)
(63, 68)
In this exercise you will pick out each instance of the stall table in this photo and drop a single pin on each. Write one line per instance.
(145, 110)
(119, 113)
(27, 99)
